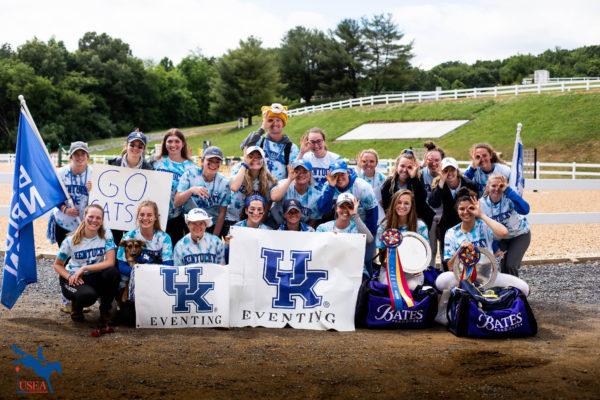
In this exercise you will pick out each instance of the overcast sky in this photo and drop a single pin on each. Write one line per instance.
(441, 30)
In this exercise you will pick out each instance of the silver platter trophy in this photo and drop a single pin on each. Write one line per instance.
(414, 253)
(481, 267)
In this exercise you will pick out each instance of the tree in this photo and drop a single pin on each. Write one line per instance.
(387, 61)
(198, 72)
(247, 78)
(350, 36)
(300, 58)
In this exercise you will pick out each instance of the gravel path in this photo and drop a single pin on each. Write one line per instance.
(551, 284)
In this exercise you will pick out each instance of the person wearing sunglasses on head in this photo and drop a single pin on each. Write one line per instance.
(132, 156)
(313, 148)
(407, 176)
(278, 149)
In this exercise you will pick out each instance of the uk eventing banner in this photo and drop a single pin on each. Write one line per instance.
(307, 280)
(36, 190)
(192, 296)
(119, 191)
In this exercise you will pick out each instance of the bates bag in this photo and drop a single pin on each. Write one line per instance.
(497, 312)
(374, 308)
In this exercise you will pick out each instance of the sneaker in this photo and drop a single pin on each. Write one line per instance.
(76, 312)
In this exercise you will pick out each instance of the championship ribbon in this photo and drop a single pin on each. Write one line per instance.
(392, 238)
(469, 259)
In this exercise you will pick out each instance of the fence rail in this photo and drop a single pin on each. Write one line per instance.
(571, 170)
(407, 97)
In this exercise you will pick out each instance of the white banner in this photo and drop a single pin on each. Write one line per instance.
(192, 296)
(119, 191)
(306, 280)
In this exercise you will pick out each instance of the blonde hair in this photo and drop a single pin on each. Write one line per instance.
(492, 177)
(392, 220)
(409, 155)
(264, 178)
(151, 204)
(79, 233)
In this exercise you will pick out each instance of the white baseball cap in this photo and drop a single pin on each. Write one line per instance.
(345, 198)
(198, 214)
(449, 162)
(255, 148)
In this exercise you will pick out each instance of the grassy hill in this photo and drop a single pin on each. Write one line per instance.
(563, 127)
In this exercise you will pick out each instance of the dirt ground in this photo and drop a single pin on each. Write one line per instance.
(562, 361)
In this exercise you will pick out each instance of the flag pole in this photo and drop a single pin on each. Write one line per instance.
(39, 137)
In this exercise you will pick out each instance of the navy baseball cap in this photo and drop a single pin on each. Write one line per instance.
(213, 152)
(302, 163)
(136, 136)
(338, 166)
(291, 203)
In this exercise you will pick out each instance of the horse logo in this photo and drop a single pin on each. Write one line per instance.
(40, 366)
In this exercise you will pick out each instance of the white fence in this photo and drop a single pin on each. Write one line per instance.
(406, 97)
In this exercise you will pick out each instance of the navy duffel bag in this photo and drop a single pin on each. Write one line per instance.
(496, 312)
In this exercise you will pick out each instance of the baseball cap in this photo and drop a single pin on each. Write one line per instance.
(213, 152)
(255, 148)
(345, 198)
(302, 163)
(136, 136)
(198, 214)
(338, 166)
(449, 162)
(291, 203)
(78, 146)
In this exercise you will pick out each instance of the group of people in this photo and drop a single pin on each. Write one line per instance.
(282, 186)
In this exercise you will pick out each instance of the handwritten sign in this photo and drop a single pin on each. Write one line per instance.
(119, 191)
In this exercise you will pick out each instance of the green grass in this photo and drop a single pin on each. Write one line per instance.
(563, 127)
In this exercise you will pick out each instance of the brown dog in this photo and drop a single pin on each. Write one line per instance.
(133, 249)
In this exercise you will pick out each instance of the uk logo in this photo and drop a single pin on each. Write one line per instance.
(40, 366)
(294, 283)
(186, 293)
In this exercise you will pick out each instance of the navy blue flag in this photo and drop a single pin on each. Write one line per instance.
(36, 190)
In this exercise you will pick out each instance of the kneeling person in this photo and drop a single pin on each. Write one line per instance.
(292, 214)
(199, 246)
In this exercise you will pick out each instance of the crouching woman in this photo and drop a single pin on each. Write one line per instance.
(90, 273)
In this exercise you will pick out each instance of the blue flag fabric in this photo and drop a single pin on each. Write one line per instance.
(36, 190)
(517, 180)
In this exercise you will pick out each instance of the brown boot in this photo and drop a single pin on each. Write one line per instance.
(76, 312)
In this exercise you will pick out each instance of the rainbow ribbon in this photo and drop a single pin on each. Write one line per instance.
(469, 259)
(398, 287)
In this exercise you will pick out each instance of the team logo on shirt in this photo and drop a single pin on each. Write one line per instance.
(298, 282)
(186, 293)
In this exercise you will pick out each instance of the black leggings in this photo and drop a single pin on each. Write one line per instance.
(61, 234)
(102, 284)
(176, 229)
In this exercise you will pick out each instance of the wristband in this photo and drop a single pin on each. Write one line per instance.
(245, 165)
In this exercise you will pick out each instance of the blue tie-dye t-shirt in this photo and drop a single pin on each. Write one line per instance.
(210, 249)
(218, 189)
(177, 169)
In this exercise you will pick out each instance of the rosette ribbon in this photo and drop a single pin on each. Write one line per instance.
(469, 259)
(392, 238)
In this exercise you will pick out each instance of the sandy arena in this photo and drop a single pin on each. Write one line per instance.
(562, 361)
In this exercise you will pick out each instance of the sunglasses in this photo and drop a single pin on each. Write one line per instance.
(315, 142)
(136, 146)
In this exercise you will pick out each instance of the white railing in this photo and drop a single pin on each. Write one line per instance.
(407, 97)
(571, 170)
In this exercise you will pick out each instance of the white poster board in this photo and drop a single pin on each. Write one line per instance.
(119, 191)
(307, 280)
(192, 296)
